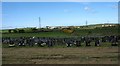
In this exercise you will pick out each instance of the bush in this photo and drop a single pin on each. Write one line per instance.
(21, 31)
(15, 31)
(9, 31)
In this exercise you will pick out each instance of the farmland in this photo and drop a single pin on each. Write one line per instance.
(59, 33)
(104, 54)
(73, 55)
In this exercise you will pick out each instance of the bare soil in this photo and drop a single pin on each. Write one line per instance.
(77, 55)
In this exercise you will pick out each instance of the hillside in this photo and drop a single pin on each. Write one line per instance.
(90, 30)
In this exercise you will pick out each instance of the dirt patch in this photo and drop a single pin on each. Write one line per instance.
(85, 55)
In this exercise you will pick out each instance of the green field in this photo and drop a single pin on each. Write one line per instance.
(105, 54)
(77, 32)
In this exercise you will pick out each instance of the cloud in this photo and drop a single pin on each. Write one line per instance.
(115, 6)
(5, 27)
(86, 8)
(85, 3)
(90, 10)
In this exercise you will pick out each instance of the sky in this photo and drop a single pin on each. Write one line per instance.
(26, 14)
(60, 0)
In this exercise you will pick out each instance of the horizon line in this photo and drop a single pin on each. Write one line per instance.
(10, 27)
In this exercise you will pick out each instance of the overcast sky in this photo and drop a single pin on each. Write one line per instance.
(26, 14)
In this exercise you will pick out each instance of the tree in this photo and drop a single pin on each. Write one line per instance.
(9, 31)
(15, 31)
(21, 31)
(34, 30)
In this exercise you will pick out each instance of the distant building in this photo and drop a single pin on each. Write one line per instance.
(53, 27)
(90, 26)
(108, 25)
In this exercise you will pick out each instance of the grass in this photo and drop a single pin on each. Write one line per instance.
(42, 34)
(78, 32)
(105, 54)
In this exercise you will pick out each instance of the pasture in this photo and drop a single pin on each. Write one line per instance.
(106, 31)
(104, 54)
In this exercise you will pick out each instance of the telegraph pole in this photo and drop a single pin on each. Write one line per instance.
(86, 22)
(39, 23)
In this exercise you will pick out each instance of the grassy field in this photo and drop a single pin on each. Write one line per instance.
(72, 55)
(78, 32)
(105, 54)
(42, 34)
